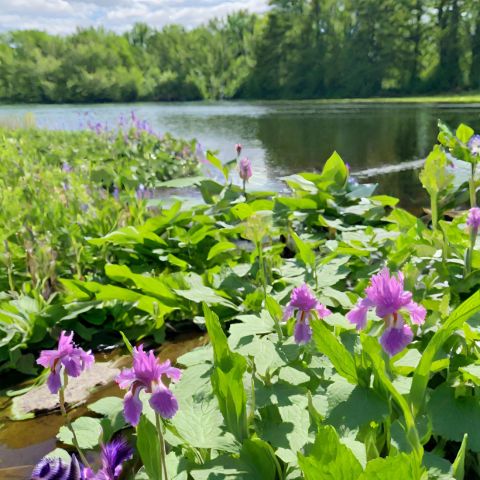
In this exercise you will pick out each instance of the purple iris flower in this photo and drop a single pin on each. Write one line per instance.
(474, 144)
(72, 358)
(245, 167)
(304, 302)
(473, 219)
(57, 469)
(114, 454)
(146, 374)
(387, 295)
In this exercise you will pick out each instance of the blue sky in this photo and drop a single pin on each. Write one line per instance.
(64, 16)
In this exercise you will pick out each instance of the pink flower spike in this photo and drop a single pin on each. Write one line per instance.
(473, 219)
(245, 167)
(68, 357)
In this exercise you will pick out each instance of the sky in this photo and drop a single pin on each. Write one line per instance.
(64, 16)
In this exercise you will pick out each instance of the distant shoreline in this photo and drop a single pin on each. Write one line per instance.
(433, 99)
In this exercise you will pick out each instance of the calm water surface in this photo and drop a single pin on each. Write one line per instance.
(287, 137)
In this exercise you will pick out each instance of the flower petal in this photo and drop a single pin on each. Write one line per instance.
(54, 381)
(47, 358)
(169, 371)
(395, 339)
(132, 407)
(358, 316)
(302, 332)
(288, 313)
(417, 312)
(163, 401)
(322, 310)
(125, 378)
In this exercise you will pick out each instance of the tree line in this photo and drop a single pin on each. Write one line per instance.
(298, 49)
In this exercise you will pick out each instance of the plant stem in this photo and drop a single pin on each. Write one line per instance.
(163, 452)
(469, 258)
(434, 208)
(61, 399)
(471, 183)
(261, 262)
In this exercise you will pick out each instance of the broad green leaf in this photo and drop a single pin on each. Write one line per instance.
(328, 344)
(399, 467)
(434, 176)
(227, 378)
(422, 373)
(464, 133)
(148, 446)
(452, 417)
(305, 251)
(220, 247)
(87, 430)
(329, 459)
(459, 463)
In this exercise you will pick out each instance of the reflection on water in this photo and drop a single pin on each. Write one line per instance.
(287, 137)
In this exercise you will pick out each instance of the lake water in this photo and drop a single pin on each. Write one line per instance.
(379, 141)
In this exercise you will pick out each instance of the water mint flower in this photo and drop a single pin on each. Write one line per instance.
(245, 167)
(474, 144)
(146, 374)
(57, 469)
(473, 219)
(74, 360)
(387, 295)
(304, 302)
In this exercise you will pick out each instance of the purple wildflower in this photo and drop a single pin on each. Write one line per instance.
(114, 454)
(238, 148)
(303, 300)
(147, 374)
(473, 219)
(66, 167)
(474, 144)
(245, 167)
(116, 193)
(387, 295)
(57, 469)
(73, 359)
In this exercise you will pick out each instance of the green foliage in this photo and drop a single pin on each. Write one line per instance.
(302, 49)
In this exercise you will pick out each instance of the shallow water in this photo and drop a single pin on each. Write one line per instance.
(290, 136)
(23, 443)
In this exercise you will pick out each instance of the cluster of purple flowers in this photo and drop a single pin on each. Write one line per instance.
(113, 455)
(391, 302)
(146, 374)
(473, 218)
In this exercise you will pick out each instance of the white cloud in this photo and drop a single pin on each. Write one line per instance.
(64, 16)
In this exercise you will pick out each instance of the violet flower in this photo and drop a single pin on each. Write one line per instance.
(245, 167)
(146, 374)
(66, 167)
(57, 469)
(474, 145)
(387, 295)
(304, 302)
(114, 454)
(473, 219)
(74, 360)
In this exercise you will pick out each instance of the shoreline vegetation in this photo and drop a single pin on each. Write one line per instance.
(465, 97)
(301, 49)
(343, 330)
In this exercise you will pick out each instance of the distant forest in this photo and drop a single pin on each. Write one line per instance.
(298, 49)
